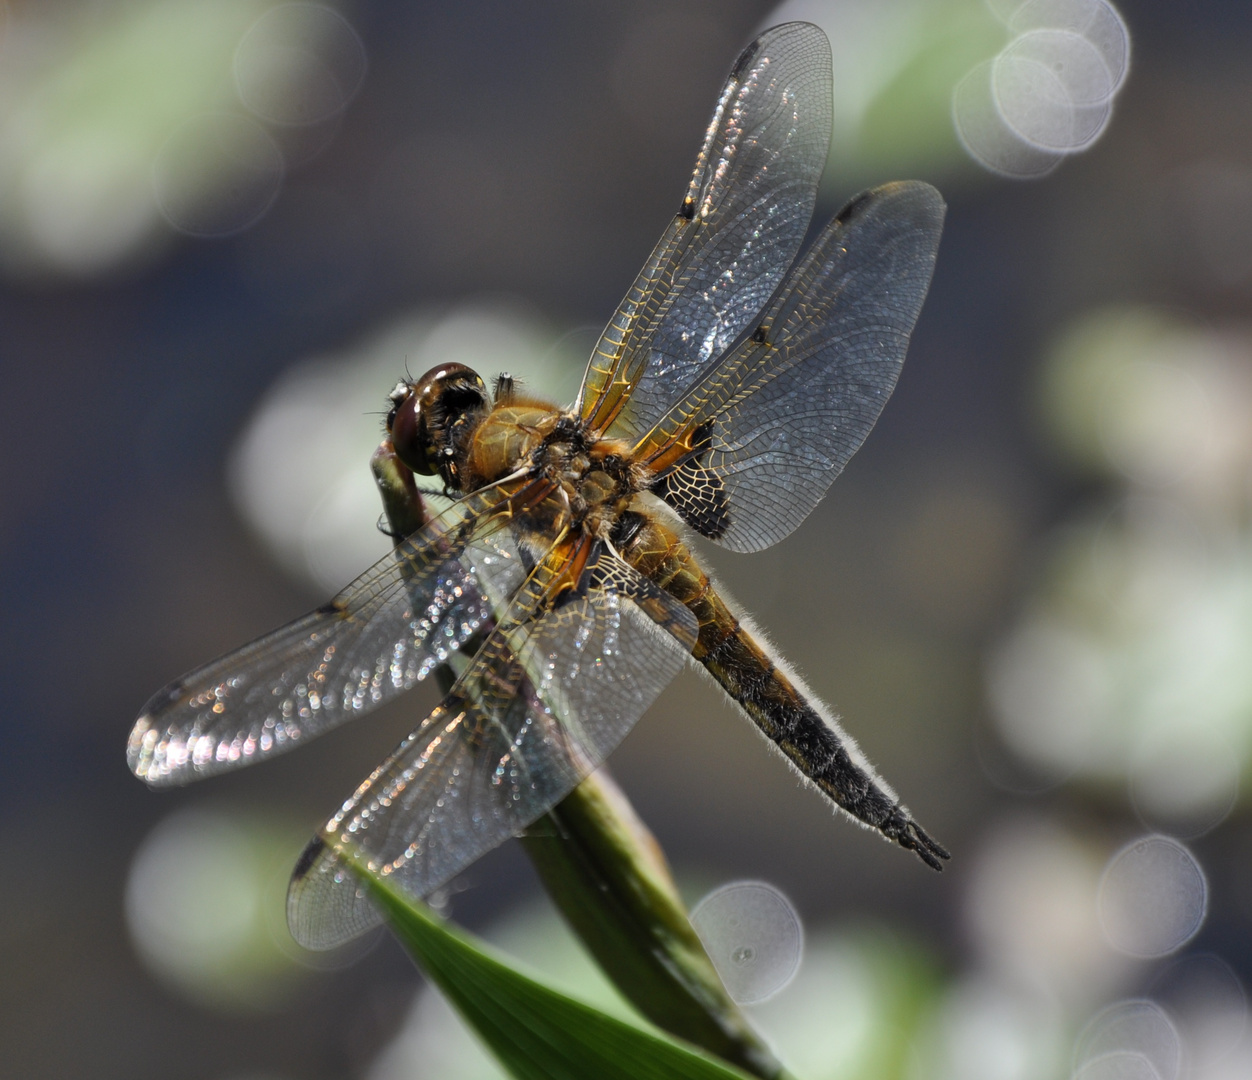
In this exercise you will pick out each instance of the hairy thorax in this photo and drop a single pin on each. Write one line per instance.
(592, 480)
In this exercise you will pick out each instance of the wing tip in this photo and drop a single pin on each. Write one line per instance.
(925, 196)
(324, 909)
(148, 741)
(163, 757)
(141, 752)
(797, 27)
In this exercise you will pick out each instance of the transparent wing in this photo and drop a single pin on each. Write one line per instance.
(755, 443)
(743, 219)
(550, 694)
(376, 639)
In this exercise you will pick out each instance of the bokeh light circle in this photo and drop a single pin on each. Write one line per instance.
(987, 138)
(1186, 784)
(1077, 63)
(1119, 1065)
(1156, 421)
(1049, 688)
(1152, 897)
(753, 936)
(1053, 89)
(1031, 99)
(1209, 1003)
(1096, 21)
(1049, 92)
(299, 64)
(986, 1028)
(217, 174)
(1003, 10)
(203, 897)
(1137, 1027)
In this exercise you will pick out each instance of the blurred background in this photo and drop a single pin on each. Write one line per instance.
(228, 226)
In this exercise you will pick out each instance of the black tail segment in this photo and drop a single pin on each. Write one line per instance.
(819, 751)
(913, 837)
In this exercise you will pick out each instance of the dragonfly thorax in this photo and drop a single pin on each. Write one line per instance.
(590, 480)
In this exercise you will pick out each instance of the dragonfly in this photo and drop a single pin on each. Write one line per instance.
(560, 585)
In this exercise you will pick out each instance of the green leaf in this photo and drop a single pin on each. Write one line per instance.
(536, 1032)
(607, 876)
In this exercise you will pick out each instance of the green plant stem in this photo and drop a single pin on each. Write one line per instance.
(608, 877)
(536, 1032)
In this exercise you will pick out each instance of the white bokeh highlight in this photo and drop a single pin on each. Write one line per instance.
(753, 936)
(299, 473)
(1128, 665)
(1138, 1027)
(988, 1028)
(987, 138)
(1185, 784)
(205, 904)
(1208, 1001)
(1096, 21)
(125, 125)
(1152, 898)
(1053, 89)
(1049, 92)
(1031, 913)
(1118, 1065)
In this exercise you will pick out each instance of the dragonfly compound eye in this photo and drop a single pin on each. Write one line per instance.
(431, 416)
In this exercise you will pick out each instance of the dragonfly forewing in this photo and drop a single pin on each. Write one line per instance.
(744, 216)
(378, 638)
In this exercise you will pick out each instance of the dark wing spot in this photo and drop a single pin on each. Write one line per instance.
(699, 497)
(855, 205)
(745, 59)
(308, 857)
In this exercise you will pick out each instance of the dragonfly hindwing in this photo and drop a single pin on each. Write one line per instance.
(694, 491)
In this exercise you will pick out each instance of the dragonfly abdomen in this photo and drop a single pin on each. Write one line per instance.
(789, 716)
(773, 697)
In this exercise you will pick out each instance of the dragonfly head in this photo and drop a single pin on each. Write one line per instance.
(431, 419)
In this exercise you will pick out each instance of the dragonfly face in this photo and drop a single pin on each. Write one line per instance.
(733, 383)
(431, 419)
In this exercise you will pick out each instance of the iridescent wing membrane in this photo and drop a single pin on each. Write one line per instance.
(548, 695)
(542, 704)
(748, 382)
(741, 224)
(744, 216)
(762, 432)
(379, 637)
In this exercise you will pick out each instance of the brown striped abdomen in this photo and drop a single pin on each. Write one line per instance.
(782, 711)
